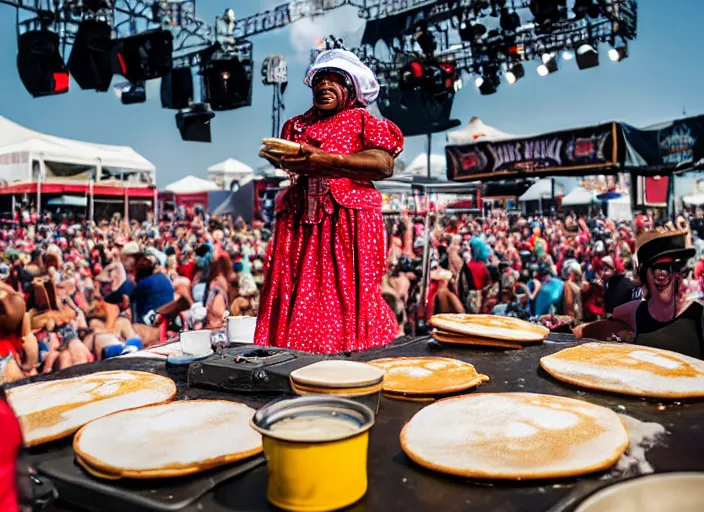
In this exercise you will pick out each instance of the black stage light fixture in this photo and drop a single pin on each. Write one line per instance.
(471, 32)
(90, 62)
(548, 11)
(510, 20)
(177, 89)
(586, 56)
(39, 63)
(194, 123)
(584, 8)
(133, 93)
(228, 84)
(618, 54)
(515, 72)
(145, 56)
(425, 39)
(548, 65)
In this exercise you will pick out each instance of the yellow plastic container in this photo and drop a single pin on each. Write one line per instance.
(316, 450)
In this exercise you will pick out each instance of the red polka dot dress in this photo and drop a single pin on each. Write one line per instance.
(325, 263)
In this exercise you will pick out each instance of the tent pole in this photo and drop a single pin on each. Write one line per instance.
(426, 257)
(430, 147)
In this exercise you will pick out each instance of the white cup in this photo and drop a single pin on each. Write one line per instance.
(196, 343)
(240, 329)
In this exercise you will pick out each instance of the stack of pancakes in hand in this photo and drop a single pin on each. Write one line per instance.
(486, 330)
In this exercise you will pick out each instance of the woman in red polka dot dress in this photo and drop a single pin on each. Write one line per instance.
(322, 287)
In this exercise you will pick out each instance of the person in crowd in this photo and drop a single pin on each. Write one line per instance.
(322, 290)
(153, 289)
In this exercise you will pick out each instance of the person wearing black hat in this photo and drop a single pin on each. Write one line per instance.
(665, 319)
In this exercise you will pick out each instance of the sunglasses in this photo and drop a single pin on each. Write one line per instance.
(665, 268)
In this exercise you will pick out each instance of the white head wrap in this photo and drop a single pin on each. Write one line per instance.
(365, 83)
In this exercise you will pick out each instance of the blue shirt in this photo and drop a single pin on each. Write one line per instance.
(150, 294)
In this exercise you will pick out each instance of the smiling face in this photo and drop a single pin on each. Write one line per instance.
(330, 95)
(660, 278)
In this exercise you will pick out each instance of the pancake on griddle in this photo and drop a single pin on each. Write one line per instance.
(514, 436)
(54, 409)
(628, 369)
(464, 339)
(492, 327)
(168, 440)
(427, 376)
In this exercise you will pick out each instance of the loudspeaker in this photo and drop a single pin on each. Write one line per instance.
(39, 63)
(177, 89)
(417, 112)
(90, 61)
(145, 56)
(194, 123)
(228, 84)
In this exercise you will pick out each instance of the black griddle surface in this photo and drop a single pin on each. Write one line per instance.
(396, 483)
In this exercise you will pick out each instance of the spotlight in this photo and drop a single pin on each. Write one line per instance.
(548, 11)
(177, 89)
(509, 20)
(130, 94)
(488, 82)
(587, 56)
(618, 54)
(228, 84)
(411, 76)
(425, 39)
(145, 56)
(567, 55)
(515, 73)
(584, 8)
(548, 65)
(90, 62)
(39, 63)
(194, 123)
(470, 32)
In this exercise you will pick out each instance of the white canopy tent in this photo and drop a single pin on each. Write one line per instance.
(476, 131)
(542, 189)
(20, 146)
(693, 200)
(620, 209)
(419, 166)
(191, 185)
(580, 197)
(228, 171)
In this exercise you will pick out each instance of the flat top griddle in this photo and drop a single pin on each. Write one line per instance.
(396, 483)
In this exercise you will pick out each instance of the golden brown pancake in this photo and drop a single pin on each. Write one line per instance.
(464, 339)
(490, 326)
(427, 375)
(54, 409)
(281, 146)
(514, 436)
(167, 440)
(628, 369)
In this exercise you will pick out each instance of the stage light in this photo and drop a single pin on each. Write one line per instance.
(471, 32)
(584, 8)
(177, 89)
(618, 54)
(194, 123)
(548, 65)
(425, 39)
(39, 63)
(489, 81)
(509, 20)
(567, 55)
(587, 56)
(90, 62)
(515, 73)
(145, 56)
(130, 94)
(228, 84)
(548, 11)
(479, 81)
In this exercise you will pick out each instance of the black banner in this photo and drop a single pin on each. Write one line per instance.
(591, 150)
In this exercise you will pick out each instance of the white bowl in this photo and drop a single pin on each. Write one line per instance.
(196, 343)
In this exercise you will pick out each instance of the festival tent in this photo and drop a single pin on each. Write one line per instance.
(579, 197)
(620, 209)
(419, 166)
(191, 185)
(228, 171)
(476, 131)
(20, 147)
(542, 189)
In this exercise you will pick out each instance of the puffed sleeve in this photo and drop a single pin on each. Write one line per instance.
(287, 130)
(381, 134)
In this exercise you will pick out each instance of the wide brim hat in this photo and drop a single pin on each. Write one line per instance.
(365, 83)
(654, 245)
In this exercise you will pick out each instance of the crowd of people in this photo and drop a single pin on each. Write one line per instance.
(72, 294)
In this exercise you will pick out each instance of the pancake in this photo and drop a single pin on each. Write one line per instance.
(281, 146)
(337, 374)
(54, 409)
(514, 436)
(493, 327)
(628, 369)
(168, 440)
(427, 375)
(464, 339)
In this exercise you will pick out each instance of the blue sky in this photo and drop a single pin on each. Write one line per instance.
(661, 78)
